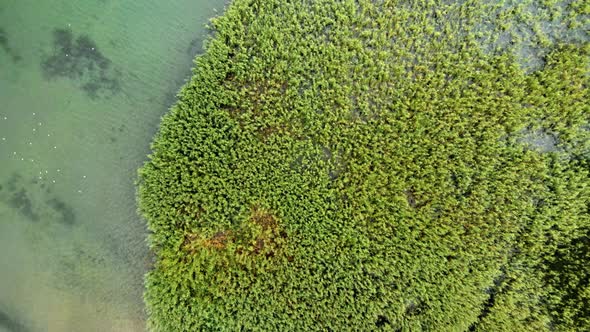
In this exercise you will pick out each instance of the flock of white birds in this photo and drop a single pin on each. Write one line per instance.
(44, 174)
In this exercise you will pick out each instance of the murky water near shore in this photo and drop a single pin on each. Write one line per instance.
(83, 85)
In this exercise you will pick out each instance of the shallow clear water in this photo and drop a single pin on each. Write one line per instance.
(83, 85)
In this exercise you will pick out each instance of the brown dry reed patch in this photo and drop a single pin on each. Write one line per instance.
(260, 234)
(193, 241)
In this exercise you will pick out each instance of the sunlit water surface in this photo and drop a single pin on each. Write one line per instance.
(83, 85)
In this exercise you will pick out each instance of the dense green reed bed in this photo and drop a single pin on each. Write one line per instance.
(377, 165)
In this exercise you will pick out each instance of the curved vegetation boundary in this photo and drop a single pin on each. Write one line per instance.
(377, 165)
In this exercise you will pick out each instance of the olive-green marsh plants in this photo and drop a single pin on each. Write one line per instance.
(376, 165)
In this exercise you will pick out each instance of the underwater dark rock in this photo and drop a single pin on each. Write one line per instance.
(78, 58)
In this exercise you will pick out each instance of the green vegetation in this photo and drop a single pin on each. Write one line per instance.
(377, 165)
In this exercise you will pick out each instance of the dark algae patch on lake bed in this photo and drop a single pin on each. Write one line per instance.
(5, 46)
(78, 58)
(11, 324)
(34, 203)
(375, 165)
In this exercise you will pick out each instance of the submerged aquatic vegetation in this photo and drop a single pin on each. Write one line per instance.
(80, 59)
(11, 324)
(366, 165)
(4, 45)
(17, 195)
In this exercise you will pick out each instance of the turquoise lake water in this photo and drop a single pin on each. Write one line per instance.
(83, 85)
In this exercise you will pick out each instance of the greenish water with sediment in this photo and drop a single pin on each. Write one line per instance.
(83, 85)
